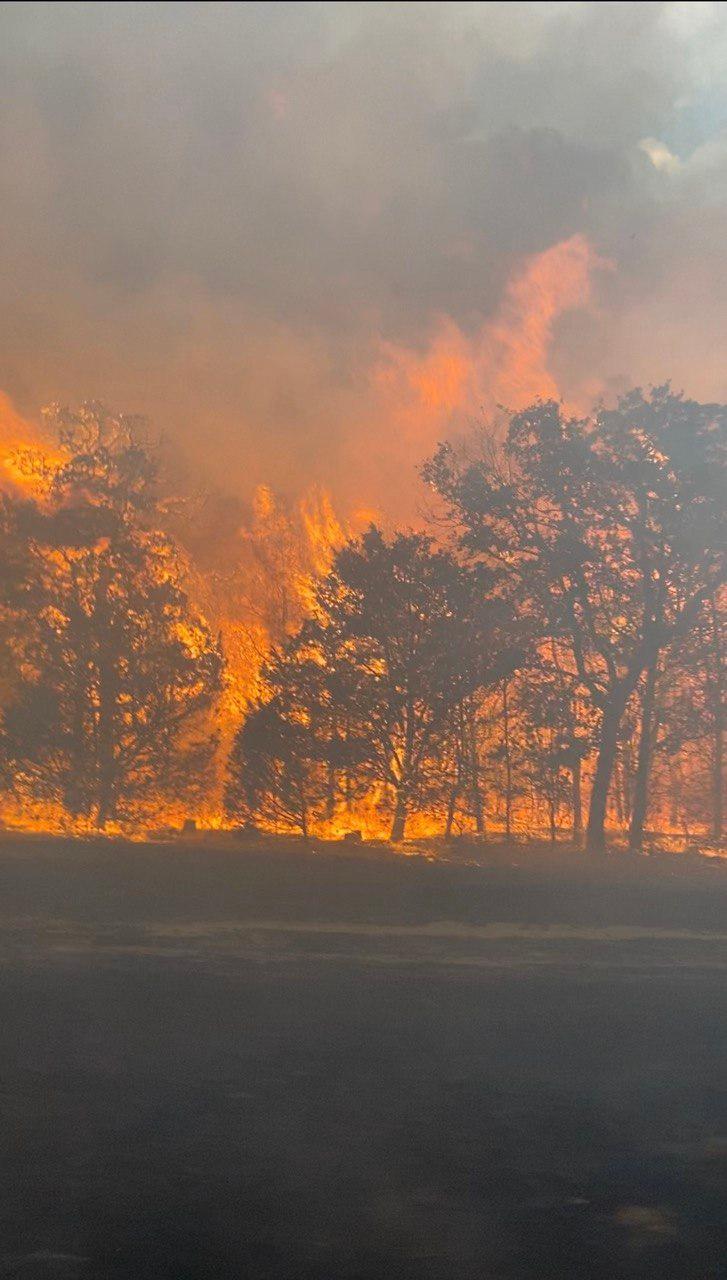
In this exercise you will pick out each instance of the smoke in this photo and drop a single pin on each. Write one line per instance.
(306, 240)
(420, 397)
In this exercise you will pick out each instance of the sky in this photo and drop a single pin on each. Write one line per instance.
(308, 241)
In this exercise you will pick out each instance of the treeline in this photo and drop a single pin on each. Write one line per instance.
(568, 647)
(553, 659)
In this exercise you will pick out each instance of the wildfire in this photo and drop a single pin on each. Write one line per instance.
(27, 460)
(505, 361)
(259, 598)
(258, 594)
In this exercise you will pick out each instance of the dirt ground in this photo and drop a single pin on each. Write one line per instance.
(271, 1062)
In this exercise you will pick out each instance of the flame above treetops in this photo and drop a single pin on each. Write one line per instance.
(503, 361)
(264, 586)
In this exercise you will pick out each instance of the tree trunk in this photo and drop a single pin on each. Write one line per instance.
(460, 748)
(643, 763)
(108, 692)
(610, 725)
(718, 726)
(619, 789)
(474, 771)
(303, 815)
(330, 792)
(451, 809)
(398, 826)
(478, 808)
(106, 745)
(718, 778)
(106, 809)
(674, 795)
(347, 785)
(508, 761)
(577, 801)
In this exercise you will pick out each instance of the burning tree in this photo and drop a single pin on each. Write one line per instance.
(687, 723)
(409, 630)
(574, 643)
(111, 717)
(364, 696)
(15, 592)
(280, 766)
(610, 532)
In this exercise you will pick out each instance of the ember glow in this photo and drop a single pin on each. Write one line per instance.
(300, 251)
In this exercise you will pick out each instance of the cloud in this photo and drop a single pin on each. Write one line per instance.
(660, 155)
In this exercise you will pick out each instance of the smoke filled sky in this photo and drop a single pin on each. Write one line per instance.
(310, 240)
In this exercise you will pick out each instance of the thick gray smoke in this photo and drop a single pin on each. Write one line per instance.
(236, 217)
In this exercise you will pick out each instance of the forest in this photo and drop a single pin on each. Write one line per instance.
(542, 656)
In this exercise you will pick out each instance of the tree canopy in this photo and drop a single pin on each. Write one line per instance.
(609, 531)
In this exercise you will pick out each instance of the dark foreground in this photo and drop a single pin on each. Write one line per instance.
(230, 1064)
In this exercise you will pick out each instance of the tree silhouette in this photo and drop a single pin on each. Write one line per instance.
(278, 769)
(611, 532)
(119, 675)
(690, 713)
(402, 637)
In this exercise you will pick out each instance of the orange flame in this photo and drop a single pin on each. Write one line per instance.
(27, 458)
(504, 363)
